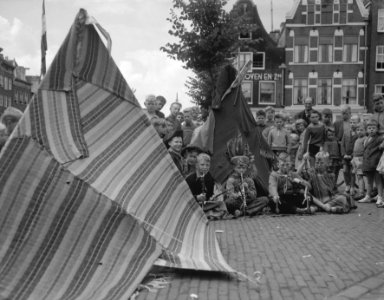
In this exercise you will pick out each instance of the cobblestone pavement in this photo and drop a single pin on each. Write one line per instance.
(299, 257)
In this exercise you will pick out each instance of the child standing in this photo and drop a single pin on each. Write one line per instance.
(332, 146)
(357, 160)
(314, 138)
(175, 144)
(327, 118)
(378, 115)
(371, 158)
(278, 137)
(260, 119)
(347, 144)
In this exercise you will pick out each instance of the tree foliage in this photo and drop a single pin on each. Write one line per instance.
(207, 39)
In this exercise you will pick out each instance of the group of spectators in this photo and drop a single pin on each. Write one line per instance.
(310, 151)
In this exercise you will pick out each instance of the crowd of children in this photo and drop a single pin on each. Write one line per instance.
(311, 150)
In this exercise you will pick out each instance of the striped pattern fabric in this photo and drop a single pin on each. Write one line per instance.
(89, 197)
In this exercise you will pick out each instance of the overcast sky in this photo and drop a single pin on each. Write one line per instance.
(138, 29)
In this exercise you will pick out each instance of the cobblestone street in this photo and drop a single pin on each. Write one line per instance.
(299, 257)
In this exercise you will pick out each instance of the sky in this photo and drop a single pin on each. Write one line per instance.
(138, 29)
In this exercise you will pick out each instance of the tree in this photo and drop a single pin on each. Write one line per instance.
(208, 39)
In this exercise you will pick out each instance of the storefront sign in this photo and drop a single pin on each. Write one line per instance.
(263, 76)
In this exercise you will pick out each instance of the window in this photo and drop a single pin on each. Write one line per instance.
(9, 84)
(243, 58)
(348, 91)
(300, 90)
(247, 87)
(5, 83)
(380, 20)
(350, 52)
(325, 53)
(336, 11)
(379, 89)
(324, 91)
(300, 54)
(379, 58)
(267, 91)
(1, 80)
(258, 60)
(1, 100)
(245, 35)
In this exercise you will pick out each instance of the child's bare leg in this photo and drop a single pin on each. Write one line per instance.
(320, 204)
(368, 180)
(379, 184)
(360, 183)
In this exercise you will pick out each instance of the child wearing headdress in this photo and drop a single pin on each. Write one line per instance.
(206, 192)
(323, 191)
(287, 188)
(241, 196)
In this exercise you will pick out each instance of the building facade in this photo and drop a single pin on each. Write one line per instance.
(264, 82)
(6, 82)
(326, 54)
(21, 89)
(376, 46)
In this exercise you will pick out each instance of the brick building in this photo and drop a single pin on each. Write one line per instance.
(376, 45)
(326, 54)
(6, 82)
(263, 85)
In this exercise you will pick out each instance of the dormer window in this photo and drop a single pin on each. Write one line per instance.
(245, 35)
(380, 20)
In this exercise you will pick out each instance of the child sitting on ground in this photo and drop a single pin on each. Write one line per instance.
(241, 196)
(202, 186)
(371, 158)
(287, 188)
(323, 186)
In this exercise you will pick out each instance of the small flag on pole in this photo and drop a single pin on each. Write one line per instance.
(44, 45)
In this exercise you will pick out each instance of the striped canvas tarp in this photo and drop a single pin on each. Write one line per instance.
(89, 197)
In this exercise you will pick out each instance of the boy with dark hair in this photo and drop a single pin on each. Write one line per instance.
(175, 144)
(278, 138)
(260, 119)
(287, 188)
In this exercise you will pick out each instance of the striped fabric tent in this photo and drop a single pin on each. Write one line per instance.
(89, 197)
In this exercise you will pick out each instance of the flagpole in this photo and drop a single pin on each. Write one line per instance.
(44, 45)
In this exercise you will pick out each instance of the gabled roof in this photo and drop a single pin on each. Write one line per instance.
(362, 4)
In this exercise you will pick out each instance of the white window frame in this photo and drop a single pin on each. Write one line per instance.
(295, 51)
(356, 53)
(379, 89)
(342, 91)
(273, 95)
(380, 20)
(293, 91)
(246, 38)
(258, 68)
(336, 12)
(319, 88)
(240, 66)
(381, 55)
(317, 12)
(246, 82)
